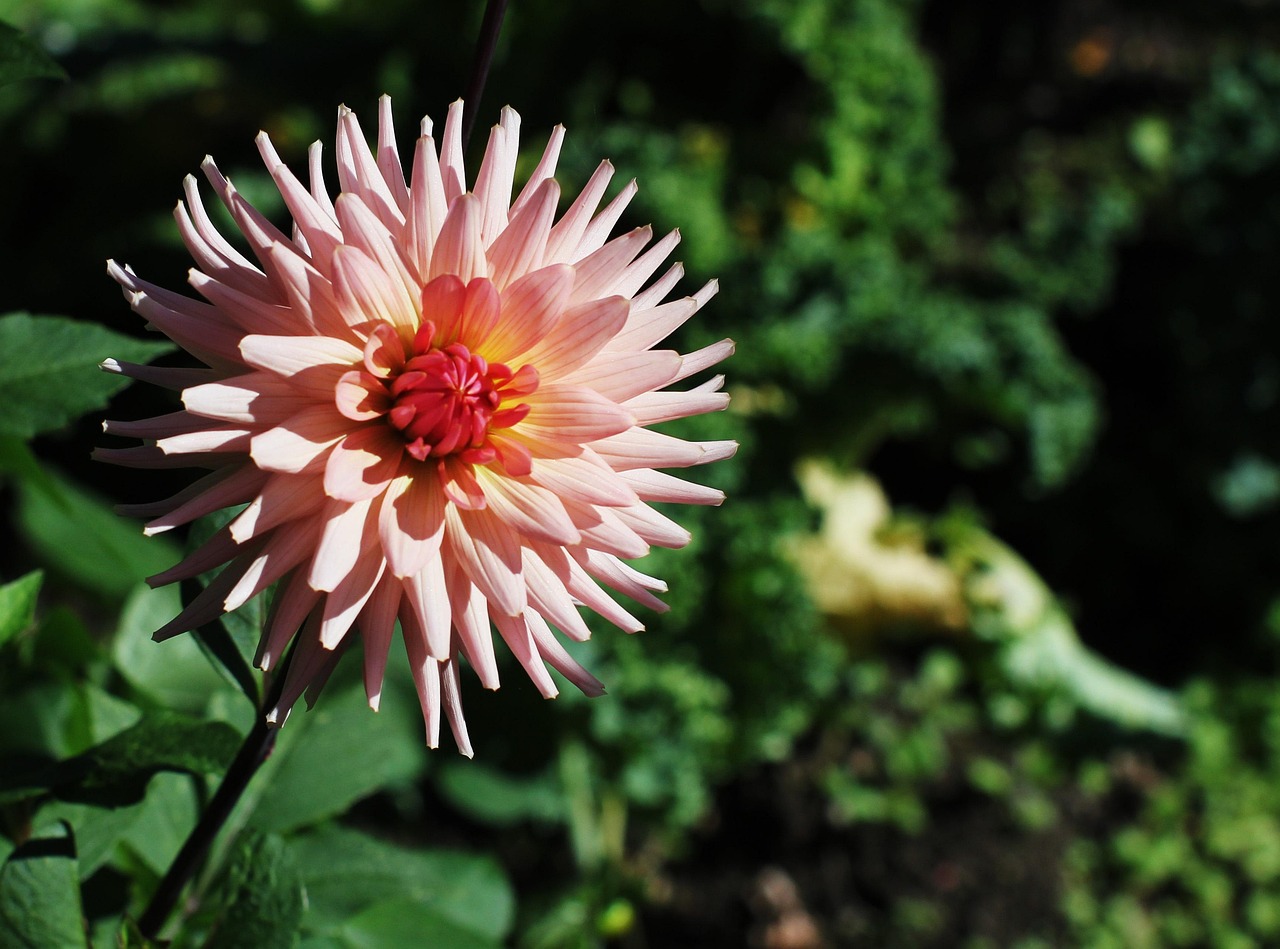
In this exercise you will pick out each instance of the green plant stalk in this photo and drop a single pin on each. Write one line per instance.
(255, 750)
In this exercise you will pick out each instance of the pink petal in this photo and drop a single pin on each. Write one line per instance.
(581, 333)
(343, 605)
(282, 499)
(652, 485)
(290, 355)
(643, 448)
(361, 397)
(515, 632)
(428, 597)
(649, 326)
(528, 509)
(489, 554)
(411, 522)
(427, 205)
(223, 488)
(520, 248)
(562, 246)
(377, 622)
(530, 308)
(471, 621)
(572, 415)
(622, 376)
(298, 443)
(654, 407)
(600, 273)
(363, 463)
(346, 535)
(367, 295)
(584, 479)
(257, 397)
(559, 659)
(458, 248)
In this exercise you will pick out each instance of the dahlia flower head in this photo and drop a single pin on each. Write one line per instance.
(433, 403)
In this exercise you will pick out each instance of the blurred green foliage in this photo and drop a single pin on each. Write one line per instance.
(1017, 261)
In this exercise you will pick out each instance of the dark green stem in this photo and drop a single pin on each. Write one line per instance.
(487, 42)
(255, 750)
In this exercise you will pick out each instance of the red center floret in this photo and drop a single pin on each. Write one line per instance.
(445, 401)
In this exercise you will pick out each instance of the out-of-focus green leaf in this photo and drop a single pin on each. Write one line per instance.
(40, 894)
(116, 773)
(349, 874)
(39, 354)
(333, 755)
(498, 798)
(79, 535)
(18, 605)
(398, 923)
(23, 58)
(56, 720)
(261, 895)
(175, 673)
(63, 646)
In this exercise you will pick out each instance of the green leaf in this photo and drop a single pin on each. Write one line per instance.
(18, 605)
(348, 874)
(116, 772)
(54, 720)
(97, 830)
(334, 755)
(496, 797)
(49, 372)
(166, 816)
(77, 533)
(175, 673)
(40, 894)
(23, 58)
(261, 893)
(398, 923)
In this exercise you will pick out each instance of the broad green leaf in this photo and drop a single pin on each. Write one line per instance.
(40, 894)
(49, 372)
(175, 673)
(497, 798)
(399, 923)
(62, 646)
(116, 772)
(166, 816)
(97, 830)
(23, 58)
(18, 605)
(261, 896)
(333, 755)
(56, 720)
(347, 873)
(78, 534)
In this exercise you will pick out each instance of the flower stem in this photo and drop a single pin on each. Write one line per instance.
(255, 750)
(487, 42)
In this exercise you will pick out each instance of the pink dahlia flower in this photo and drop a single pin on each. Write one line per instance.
(435, 404)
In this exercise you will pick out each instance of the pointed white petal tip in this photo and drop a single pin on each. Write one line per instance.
(466, 752)
(717, 451)
(277, 718)
(375, 702)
